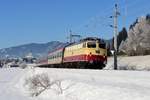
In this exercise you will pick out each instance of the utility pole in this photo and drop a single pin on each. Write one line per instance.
(116, 13)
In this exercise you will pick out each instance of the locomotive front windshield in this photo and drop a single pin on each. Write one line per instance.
(91, 44)
(103, 45)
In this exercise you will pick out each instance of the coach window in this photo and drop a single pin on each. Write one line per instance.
(57, 55)
(91, 45)
(60, 54)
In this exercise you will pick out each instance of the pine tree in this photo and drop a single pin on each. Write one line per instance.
(122, 36)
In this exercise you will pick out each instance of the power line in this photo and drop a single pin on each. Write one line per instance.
(101, 19)
(98, 19)
(73, 36)
(131, 6)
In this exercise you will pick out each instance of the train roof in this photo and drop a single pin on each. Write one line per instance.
(91, 39)
(58, 49)
(82, 40)
(87, 39)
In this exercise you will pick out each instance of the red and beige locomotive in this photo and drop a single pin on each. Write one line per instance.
(88, 53)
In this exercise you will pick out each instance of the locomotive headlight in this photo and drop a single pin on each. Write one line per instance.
(90, 54)
(91, 61)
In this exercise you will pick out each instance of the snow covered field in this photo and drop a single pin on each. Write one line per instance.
(78, 84)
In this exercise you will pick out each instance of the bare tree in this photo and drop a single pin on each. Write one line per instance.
(37, 84)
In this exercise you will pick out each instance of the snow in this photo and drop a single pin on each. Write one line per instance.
(8, 79)
(131, 63)
(78, 84)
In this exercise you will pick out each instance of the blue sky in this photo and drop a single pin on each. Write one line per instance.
(40, 21)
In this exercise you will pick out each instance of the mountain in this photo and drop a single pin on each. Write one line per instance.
(37, 50)
(138, 41)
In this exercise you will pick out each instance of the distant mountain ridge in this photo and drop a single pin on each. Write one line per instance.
(37, 49)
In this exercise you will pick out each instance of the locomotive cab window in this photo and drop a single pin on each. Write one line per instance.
(84, 45)
(91, 44)
(102, 45)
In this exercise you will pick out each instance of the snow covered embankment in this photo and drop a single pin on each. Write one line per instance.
(77, 84)
(131, 63)
(97, 84)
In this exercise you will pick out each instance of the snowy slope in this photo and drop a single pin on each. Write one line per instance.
(78, 84)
